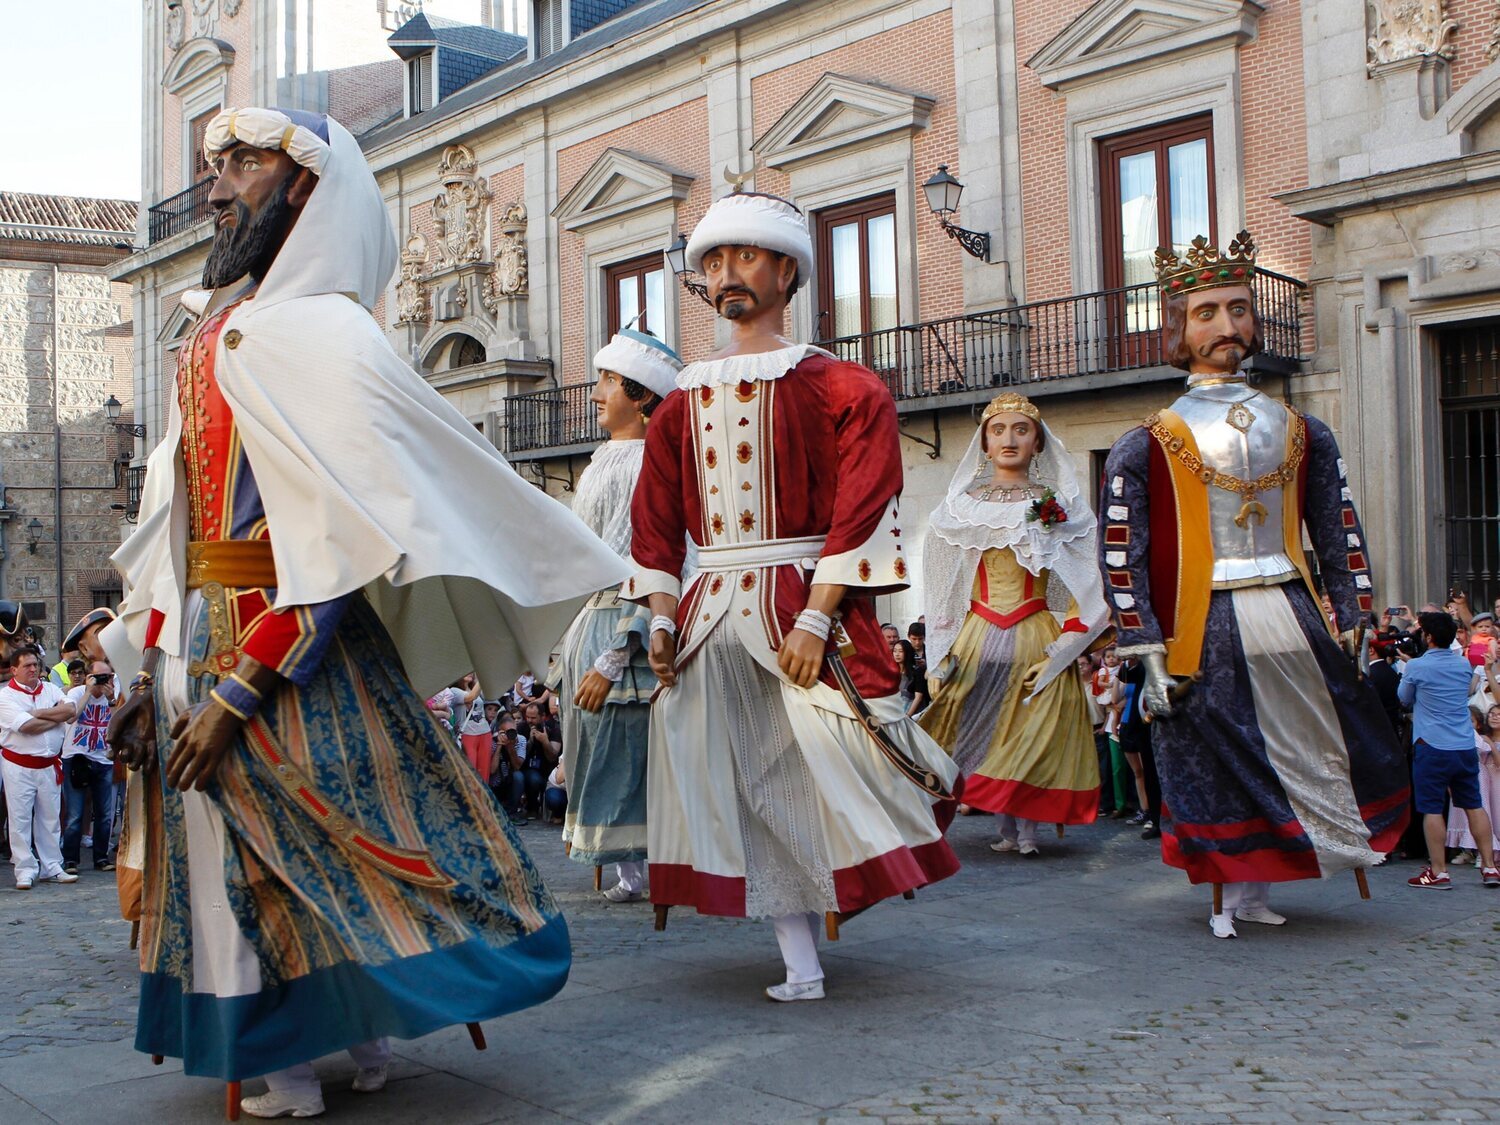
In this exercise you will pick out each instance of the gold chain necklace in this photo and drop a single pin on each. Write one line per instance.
(1005, 493)
(1247, 490)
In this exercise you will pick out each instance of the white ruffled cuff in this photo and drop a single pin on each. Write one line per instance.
(612, 663)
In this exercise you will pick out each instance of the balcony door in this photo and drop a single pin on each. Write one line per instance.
(857, 307)
(1157, 190)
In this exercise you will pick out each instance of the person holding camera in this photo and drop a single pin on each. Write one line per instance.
(1444, 760)
(88, 770)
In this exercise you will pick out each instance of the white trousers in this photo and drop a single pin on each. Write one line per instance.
(301, 1079)
(632, 875)
(1016, 829)
(1248, 895)
(797, 934)
(34, 800)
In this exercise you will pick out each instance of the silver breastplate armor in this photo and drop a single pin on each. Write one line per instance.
(1241, 433)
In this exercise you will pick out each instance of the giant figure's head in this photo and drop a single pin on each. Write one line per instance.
(266, 164)
(1210, 324)
(755, 252)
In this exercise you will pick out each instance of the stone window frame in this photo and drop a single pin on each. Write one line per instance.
(198, 77)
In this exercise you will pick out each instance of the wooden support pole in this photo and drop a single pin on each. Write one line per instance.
(231, 1101)
(598, 878)
(157, 1060)
(831, 922)
(661, 917)
(135, 933)
(476, 1033)
(1060, 831)
(1364, 884)
(908, 895)
(1218, 898)
(568, 848)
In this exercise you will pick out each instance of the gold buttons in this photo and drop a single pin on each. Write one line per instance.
(232, 339)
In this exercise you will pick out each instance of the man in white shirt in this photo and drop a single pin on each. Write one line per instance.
(87, 768)
(32, 715)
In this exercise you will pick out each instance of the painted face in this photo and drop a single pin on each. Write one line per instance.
(1010, 441)
(614, 408)
(256, 199)
(743, 279)
(1220, 326)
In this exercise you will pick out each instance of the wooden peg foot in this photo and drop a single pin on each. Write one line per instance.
(598, 878)
(231, 1101)
(661, 918)
(476, 1033)
(157, 1060)
(908, 895)
(1364, 884)
(568, 848)
(135, 933)
(831, 922)
(1218, 898)
(1061, 831)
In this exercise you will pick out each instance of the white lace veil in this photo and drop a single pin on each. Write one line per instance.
(961, 528)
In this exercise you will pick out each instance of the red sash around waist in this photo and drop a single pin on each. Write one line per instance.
(32, 762)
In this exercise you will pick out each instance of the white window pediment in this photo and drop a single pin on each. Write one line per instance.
(838, 112)
(199, 61)
(617, 184)
(1115, 35)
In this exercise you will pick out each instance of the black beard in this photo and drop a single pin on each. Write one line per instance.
(251, 245)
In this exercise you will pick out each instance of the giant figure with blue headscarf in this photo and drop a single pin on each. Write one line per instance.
(322, 869)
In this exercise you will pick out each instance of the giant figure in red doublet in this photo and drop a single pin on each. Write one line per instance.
(782, 463)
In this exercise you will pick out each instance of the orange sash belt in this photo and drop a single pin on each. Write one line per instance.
(236, 563)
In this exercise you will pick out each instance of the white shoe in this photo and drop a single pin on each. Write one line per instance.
(1262, 914)
(618, 893)
(283, 1103)
(811, 990)
(23, 884)
(1222, 926)
(1005, 846)
(1030, 850)
(371, 1078)
(61, 877)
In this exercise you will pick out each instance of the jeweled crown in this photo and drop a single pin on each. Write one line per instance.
(1205, 266)
(1011, 403)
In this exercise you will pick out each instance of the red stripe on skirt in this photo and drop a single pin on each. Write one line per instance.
(1032, 802)
(1261, 865)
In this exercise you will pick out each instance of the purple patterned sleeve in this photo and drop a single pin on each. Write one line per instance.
(1125, 543)
(1334, 528)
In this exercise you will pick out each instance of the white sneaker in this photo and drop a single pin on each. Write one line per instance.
(1262, 914)
(1462, 859)
(61, 877)
(618, 893)
(23, 884)
(283, 1103)
(1005, 846)
(811, 990)
(371, 1078)
(1222, 926)
(1030, 850)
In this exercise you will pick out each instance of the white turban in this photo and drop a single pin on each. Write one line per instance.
(266, 128)
(750, 219)
(643, 358)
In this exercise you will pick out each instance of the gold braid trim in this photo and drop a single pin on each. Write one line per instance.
(1284, 474)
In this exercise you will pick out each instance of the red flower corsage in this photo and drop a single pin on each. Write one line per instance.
(1046, 510)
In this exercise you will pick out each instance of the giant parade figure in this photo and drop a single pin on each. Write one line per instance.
(322, 869)
(785, 780)
(1276, 759)
(1012, 539)
(602, 671)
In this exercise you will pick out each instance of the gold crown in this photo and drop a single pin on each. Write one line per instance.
(1205, 266)
(1011, 403)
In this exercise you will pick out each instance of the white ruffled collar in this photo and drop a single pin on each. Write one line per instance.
(974, 524)
(734, 369)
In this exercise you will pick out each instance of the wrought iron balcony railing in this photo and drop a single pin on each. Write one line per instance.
(1040, 342)
(180, 212)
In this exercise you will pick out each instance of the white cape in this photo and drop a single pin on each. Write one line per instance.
(371, 480)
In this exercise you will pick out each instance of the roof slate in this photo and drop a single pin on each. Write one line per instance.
(80, 220)
(476, 39)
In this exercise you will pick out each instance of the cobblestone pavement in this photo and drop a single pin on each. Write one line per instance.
(1081, 986)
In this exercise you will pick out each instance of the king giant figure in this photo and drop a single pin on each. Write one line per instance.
(1276, 760)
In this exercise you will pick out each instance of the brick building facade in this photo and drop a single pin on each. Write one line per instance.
(65, 349)
(534, 203)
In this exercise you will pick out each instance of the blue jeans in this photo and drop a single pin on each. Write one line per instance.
(536, 784)
(102, 788)
(510, 792)
(556, 802)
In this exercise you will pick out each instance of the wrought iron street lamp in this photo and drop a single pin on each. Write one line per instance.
(943, 193)
(33, 534)
(112, 408)
(676, 255)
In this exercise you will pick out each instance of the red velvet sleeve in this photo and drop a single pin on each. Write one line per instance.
(863, 551)
(658, 545)
(153, 628)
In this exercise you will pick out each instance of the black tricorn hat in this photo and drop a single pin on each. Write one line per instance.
(92, 617)
(12, 619)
